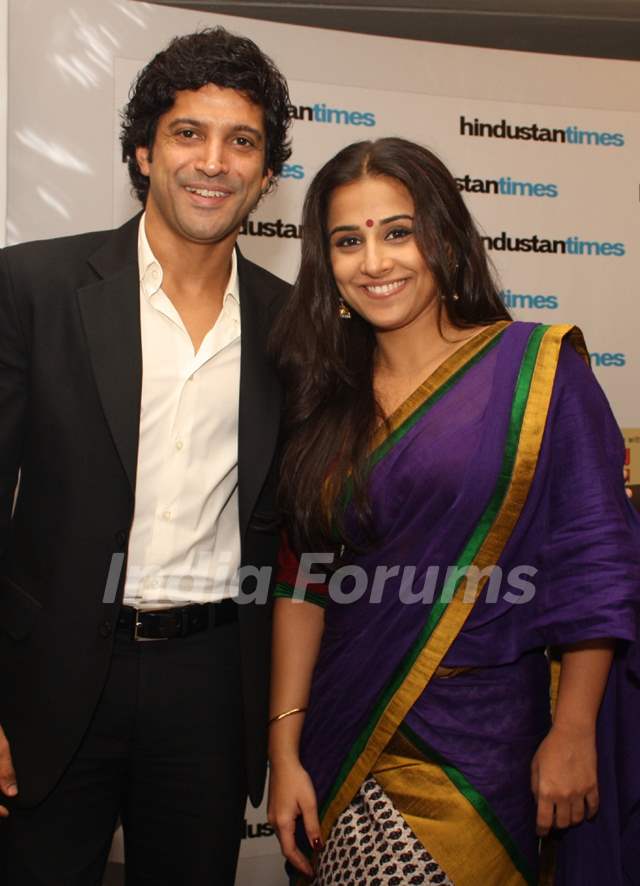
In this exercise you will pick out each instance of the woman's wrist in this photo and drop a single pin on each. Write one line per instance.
(283, 755)
(575, 727)
(284, 741)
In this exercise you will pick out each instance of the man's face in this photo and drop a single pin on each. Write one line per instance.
(206, 168)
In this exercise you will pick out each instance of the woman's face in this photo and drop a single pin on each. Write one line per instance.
(377, 265)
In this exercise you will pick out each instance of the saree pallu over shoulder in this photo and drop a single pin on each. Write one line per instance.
(445, 619)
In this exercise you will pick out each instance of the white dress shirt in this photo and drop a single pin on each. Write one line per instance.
(184, 545)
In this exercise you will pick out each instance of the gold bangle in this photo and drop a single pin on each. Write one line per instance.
(286, 714)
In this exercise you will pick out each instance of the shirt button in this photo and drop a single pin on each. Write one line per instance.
(166, 515)
(179, 444)
(155, 583)
(105, 629)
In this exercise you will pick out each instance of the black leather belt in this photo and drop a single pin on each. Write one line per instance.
(179, 621)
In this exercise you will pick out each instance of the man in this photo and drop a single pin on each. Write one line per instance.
(138, 403)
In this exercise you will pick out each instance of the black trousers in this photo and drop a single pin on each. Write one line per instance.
(163, 752)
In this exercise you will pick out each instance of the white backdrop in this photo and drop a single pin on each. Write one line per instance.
(70, 66)
(69, 70)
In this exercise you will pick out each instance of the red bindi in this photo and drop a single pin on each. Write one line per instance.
(369, 222)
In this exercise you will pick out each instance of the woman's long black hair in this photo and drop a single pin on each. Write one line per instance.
(327, 362)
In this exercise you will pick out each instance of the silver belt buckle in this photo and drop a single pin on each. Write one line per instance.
(138, 624)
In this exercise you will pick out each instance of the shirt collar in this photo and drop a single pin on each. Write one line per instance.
(151, 273)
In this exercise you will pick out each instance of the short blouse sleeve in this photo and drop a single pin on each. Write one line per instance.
(290, 581)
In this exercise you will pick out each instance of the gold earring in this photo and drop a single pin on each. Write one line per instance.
(343, 310)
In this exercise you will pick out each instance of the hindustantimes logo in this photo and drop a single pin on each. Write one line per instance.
(615, 360)
(566, 135)
(505, 186)
(531, 301)
(277, 228)
(320, 112)
(293, 170)
(257, 830)
(573, 245)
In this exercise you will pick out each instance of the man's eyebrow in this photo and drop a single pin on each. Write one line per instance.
(185, 121)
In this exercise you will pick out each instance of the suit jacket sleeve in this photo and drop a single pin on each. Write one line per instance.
(13, 397)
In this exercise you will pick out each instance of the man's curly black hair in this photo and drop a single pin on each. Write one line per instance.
(212, 55)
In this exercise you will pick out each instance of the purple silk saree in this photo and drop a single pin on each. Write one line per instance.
(503, 529)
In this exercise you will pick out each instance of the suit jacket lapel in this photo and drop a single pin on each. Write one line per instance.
(110, 310)
(260, 395)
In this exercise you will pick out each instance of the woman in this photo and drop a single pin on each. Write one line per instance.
(462, 473)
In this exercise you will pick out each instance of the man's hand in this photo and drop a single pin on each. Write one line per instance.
(8, 782)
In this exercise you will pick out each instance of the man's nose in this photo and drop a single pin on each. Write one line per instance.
(212, 159)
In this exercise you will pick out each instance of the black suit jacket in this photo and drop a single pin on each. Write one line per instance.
(70, 383)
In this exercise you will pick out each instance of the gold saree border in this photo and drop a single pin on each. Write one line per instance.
(426, 395)
(443, 374)
(457, 611)
(442, 817)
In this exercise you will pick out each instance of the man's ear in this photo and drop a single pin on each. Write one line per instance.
(143, 158)
(266, 181)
